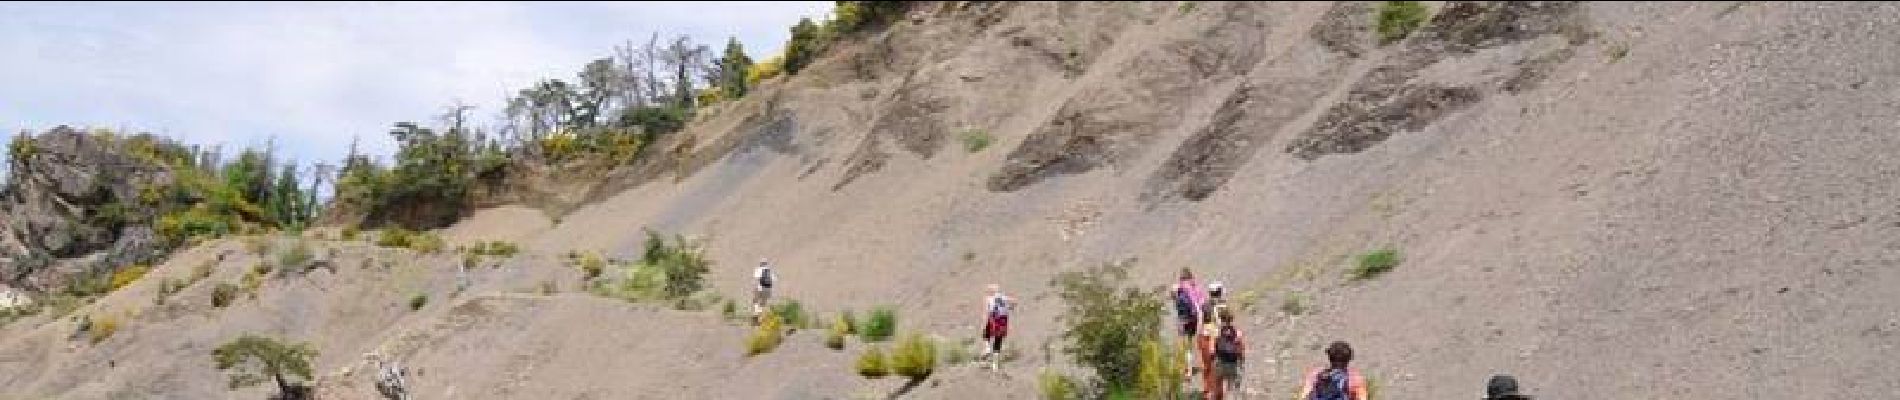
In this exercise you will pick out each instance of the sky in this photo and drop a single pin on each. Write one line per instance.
(310, 76)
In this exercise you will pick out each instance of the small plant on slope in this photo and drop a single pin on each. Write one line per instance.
(1397, 19)
(257, 359)
(915, 357)
(872, 364)
(880, 326)
(1373, 264)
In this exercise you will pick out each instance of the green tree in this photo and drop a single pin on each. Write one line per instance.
(257, 358)
(732, 69)
(803, 46)
(1105, 324)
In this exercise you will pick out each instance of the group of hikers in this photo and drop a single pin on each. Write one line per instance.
(1214, 348)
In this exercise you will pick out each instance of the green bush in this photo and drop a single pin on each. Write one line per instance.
(1373, 264)
(1397, 19)
(728, 309)
(426, 243)
(416, 302)
(103, 327)
(297, 257)
(834, 338)
(1161, 367)
(1056, 386)
(770, 332)
(223, 294)
(259, 359)
(881, 325)
(395, 237)
(1104, 324)
(975, 140)
(792, 312)
(850, 320)
(683, 264)
(914, 357)
(125, 276)
(872, 364)
(591, 265)
(350, 233)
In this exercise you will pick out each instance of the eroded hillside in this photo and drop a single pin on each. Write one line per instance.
(1586, 195)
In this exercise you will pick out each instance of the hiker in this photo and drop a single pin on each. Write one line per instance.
(1503, 387)
(389, 382)
(996, 307)
(1213, 305)
(1337, 381)
(1230, 352)
(762, 290)
(1187, 307)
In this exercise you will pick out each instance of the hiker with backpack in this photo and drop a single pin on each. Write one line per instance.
(1230, 352)
(1210, 314)
(1187, 309)
(762, 278)
(996, 307)
(1503, 387)
(1337, 381)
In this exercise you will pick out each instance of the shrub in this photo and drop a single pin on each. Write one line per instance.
(728, 309)
(881, 325)
(850, 320)
(426, 243)
(1056, 386)
(767, 69)
(1161, 367)
(834, 339)
(792, 312)
(104, 327)
(591, 265)
(222, 294)
(684, 264)
(296, 257)
(125, 276)
(975, 140)
(1397, 19)
(497, 248)
(1104, 324)
(350, 233)
(416, 302)
(768, 335)
(394, 237)
(914, 357)
(1374, 263)
(872, 364)
(258, 359)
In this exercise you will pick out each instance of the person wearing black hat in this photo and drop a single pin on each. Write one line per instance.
(1503, 387)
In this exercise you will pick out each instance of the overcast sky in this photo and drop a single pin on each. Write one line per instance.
(315, 74)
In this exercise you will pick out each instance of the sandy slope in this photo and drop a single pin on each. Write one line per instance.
(1642, 201)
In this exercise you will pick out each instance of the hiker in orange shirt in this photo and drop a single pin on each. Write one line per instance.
(1337, 381)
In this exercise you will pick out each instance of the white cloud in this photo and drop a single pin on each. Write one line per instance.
(315, 74)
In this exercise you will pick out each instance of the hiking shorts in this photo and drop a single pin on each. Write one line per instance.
(1228, 372)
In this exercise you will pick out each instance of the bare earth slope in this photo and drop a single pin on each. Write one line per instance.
(1609, 200)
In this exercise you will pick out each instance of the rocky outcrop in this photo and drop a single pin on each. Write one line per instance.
(75, 196)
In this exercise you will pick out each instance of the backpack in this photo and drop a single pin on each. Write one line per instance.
(1183, 304)
(1332, 384)
(765, 277)
(1227, 345)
